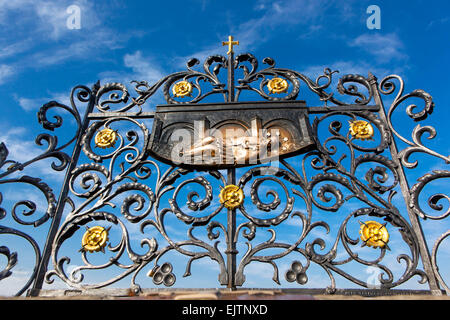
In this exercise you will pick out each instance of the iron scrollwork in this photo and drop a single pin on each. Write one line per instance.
(11, 175)
(129, 193)
(388, 86)
(337, 177)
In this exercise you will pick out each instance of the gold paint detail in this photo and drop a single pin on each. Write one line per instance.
(230, 43)
(361, 130)
(231, 196)
(277, 85)
(151, 273)
(182, 89)
(374, 234)
(106, 138)
(94, 239)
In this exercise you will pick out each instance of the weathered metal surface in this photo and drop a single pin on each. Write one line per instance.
(126, 184)
(229, 135)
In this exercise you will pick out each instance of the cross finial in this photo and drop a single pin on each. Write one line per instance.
(230, 43)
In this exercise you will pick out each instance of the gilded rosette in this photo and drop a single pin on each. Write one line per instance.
(231, 196)
(361, 130)
(374, 234)
(182, 89)
(106, 138)
(277, 85)
(94, 239)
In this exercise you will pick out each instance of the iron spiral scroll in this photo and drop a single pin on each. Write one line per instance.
(140, 202)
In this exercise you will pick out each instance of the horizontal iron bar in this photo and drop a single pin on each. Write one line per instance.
(373, 108)
(279, 291)
(151, 115)
(298, 104)
(107, 115)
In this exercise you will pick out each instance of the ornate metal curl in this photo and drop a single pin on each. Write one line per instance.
(55, 150)
(343, 177)
(388, 86)
(112, 94)
(122, 187)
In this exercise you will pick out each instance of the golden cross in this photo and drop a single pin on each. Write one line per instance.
(230, 43)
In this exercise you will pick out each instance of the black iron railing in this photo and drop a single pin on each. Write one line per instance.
(124, 185)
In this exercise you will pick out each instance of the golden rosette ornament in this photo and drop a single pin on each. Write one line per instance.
(277, 85)
(374, 234)
(94, 239)
(361, 130)
(231, 196)
(182, 89)
(106, 138)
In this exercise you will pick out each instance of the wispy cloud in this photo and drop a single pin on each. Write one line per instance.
(383, 47)
(345, 67)
(18, 149)
(141, 68)
(43, 39)
(48, 18)
(6, 72)
(23, 150)
(11, 50)
(80, 48)
(276, 14)
(33, 104)
(11, 285)
(271, 18)
(357, 66)
(438, 22)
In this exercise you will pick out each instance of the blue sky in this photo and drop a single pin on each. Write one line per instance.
(41, 59)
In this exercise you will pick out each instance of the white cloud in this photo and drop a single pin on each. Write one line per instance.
(49, 18)
(15, 282)
(438, 22)
(384, 48)
(29, 104)
(272, 16)
(19, 150)
(43, 39)
(276, 6)
(81, 47)
(23, 150)
(6, 71)
(53, 17)
(34, 104)
(344, 67)
(10, 50)
(279, 14)
(6, 6)
(142, 67)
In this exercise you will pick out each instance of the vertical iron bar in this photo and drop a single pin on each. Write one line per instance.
(423, 248)
(230, 80)
(46, 253)
(231, 229)
(231, 179)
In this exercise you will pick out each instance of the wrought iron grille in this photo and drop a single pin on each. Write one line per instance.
(130, 193)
